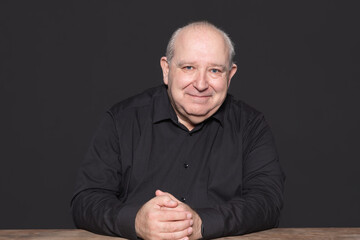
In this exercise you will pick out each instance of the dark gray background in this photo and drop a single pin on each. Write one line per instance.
(63, 63)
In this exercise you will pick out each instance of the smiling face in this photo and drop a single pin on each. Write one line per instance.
(198, 75)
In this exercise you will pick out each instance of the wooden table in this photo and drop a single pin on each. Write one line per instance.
(277, 234)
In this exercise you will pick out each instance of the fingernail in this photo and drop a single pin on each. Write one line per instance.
(190, 230)
(191, 222)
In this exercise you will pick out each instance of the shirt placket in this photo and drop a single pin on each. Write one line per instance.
(186, 167)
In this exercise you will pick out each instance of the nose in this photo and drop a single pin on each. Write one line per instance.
(201, 83)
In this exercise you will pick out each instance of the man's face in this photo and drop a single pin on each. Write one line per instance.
(198, 76)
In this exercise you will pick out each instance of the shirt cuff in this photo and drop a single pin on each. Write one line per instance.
(126, 221)
(212, 222)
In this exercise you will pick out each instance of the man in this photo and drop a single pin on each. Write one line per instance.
(184, 160)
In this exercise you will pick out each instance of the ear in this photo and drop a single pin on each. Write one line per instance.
(232, 73)
(165, 69)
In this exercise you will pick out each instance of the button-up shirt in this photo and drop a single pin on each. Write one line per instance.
(226, 168)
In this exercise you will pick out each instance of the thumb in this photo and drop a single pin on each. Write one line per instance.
(165, 201)
(161, 193)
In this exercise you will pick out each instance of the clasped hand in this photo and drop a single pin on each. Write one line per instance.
(165, 217)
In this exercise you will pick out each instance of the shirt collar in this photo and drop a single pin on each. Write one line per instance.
(220, 113)
(163, 110)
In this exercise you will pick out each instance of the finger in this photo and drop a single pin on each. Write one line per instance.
(177, 235)
(185, 238)
(165, 201)
(179, 207)
(169, 215)
(175, 226)
(161, 193)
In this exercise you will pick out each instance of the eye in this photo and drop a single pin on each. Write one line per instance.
(188, 67)
(214, 70)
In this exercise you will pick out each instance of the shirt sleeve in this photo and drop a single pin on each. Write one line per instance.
(96, 204)
(257, 205)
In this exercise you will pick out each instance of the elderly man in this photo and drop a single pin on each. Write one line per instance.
(184, 160)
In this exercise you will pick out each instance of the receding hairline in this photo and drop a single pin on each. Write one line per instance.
(200, 25)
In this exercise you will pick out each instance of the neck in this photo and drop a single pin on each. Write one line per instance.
(190, 126)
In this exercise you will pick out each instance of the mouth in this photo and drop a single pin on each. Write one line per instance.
(199, 96)
(199, 99)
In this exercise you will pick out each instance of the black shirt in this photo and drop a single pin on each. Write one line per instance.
(226, 168)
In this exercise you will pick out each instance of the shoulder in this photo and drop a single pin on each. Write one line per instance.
(249, 122)
(241, 112)
(137, 102)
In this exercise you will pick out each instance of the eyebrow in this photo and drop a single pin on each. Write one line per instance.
(181, 63)
(219, 65)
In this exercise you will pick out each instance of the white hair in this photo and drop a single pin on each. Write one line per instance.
(170, 50)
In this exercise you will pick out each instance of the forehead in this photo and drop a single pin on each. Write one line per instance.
(201, 44)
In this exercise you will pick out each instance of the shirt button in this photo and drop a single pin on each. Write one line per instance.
(186, 165)
(183, 199)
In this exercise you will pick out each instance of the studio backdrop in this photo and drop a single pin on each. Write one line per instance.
(64, 63)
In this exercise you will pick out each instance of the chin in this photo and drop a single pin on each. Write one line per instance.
(198, 113)
(200, 110)
(198, 116)
(196, 120)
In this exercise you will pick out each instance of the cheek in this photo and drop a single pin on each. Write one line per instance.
(181, 81)
(219, 85)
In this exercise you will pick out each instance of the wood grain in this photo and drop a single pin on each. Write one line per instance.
(274, 234)
(303, 233)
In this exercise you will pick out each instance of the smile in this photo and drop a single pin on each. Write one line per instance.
(199, 96)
